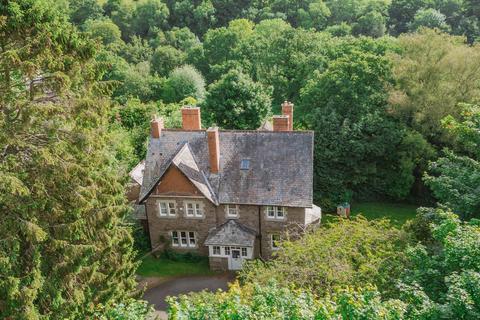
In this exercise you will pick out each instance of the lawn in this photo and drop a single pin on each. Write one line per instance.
(161, 267)
(398, 213)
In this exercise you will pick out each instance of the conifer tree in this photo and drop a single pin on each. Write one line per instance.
(65, 252)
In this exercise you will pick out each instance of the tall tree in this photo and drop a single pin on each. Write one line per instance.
(64, 250)
(434, 73)
(237, 102)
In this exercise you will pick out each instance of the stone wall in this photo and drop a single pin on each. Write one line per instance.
(161, 227)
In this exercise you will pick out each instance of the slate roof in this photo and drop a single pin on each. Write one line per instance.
(280, 173)
(137, 173)
(231, 233)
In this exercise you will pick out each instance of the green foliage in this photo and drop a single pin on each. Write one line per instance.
(434, 73)
(342, 253)
(165, 59)
(237, 102)
(270, 301)
(65, 248)
(148, 16)
(135, 116)
(454, 181)
(402, 12)
(442, 278)
(358, 146)
(371, 24)
(128, 310)
(83, 10)
(429, 18)
(104, 30)
(339, 30)
(182, 83)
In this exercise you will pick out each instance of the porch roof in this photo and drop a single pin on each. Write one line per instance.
(231, 233)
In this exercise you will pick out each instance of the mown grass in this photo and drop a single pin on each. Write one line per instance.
(162, 267)
(397, 213)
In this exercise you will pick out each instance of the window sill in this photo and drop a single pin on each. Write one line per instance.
(194, 218)
(276, 219)
(180, 247)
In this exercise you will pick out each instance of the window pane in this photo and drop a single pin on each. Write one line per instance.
(227, 251)
(171, 206)
(271, 211)
(191, 237)
(280, 212)
(244, 252)
(190, 210)
(163, 209)
(175, 238)
(198, 210)
(216, 250)
(183, 235)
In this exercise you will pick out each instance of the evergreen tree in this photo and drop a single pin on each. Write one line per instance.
(64, 250)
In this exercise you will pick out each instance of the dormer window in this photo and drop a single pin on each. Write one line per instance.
(232, 210)
(245, 164)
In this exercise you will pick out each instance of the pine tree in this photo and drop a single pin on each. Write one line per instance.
(64, 249)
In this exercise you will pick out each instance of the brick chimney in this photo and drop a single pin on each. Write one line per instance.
(191, 118)
(213, 149)
(156, 126)
(287, 110)
(280, 123)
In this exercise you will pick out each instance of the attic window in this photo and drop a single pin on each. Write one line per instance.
(245, 164)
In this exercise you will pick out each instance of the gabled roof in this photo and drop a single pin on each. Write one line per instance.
(280, 171)
(184, 160)
(231, 233)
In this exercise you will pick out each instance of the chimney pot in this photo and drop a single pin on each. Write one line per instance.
(156, 126)
(213, 149)
(287, 110)
(280, 123)
(191, 119)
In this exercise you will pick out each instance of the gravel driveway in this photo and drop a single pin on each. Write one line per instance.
(174, 287)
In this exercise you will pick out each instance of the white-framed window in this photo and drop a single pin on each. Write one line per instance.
(167, 208)
(194, 209)
(274, 240)
(232, 210)
(192, 241)
(175, 241)
(244, 252)
(274, 212)
(185, 239)
(216, 251)
(227, 251)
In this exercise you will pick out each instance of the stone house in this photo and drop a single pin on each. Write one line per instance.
(227, 194)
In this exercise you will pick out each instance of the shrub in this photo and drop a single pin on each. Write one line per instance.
(270, 301)
(347, 252)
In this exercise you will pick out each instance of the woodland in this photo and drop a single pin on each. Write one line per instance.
(391, 89)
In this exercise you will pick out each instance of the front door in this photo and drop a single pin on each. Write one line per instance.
(235, 260)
